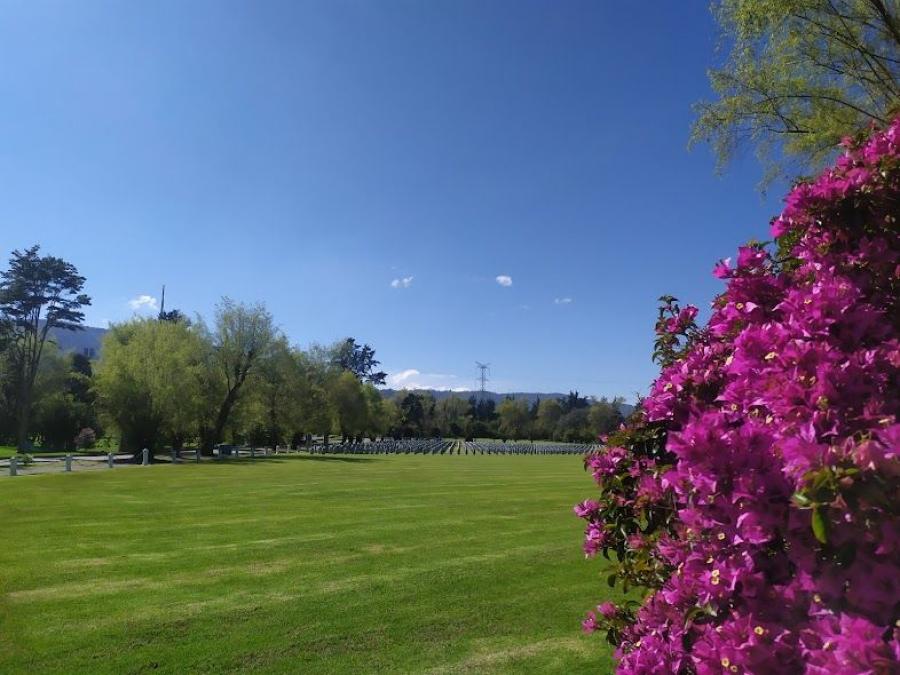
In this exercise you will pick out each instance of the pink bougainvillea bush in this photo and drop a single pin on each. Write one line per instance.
(755, 497)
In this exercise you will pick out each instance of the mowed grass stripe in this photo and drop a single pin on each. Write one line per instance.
(388, 563)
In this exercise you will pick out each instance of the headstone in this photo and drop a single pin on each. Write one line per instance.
(13, 467)
(146, 457)
(69, 462)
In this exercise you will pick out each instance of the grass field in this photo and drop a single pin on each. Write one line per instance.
(329, 564)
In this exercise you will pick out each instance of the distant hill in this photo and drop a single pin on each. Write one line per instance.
(529, 396)
(85, 341)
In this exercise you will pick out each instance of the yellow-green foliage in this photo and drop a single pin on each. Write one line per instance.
(149, 380)
(799, 76)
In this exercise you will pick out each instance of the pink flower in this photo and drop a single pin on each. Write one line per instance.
(607, 610)
(586, 508)
(757, 481)
(722, 270)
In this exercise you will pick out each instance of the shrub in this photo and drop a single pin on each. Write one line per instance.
(755, 496)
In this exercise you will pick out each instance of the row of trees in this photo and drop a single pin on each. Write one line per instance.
(571, 419)
(172, 381)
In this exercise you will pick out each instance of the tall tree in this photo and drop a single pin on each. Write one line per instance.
(37, 294)
(316, 408)
(549, 413)
(573, 401)
(149, 382)
(416, 418)
(380, 416)
(604, 416)
(514, 418)
(279, 388)
(242, 337)
(359, 360)
(799, 76)
(64, 400)
(350, 404)
(452, 416)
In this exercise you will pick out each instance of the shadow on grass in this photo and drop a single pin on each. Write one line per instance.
(278, 459)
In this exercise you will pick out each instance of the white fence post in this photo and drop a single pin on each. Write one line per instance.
(69, 462)
(110, 460)
(146, 458)
(13, 467)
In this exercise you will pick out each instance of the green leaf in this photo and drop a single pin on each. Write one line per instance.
(611, 580)
(820, 525)
(801, 499)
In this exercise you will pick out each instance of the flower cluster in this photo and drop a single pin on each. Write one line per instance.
(756, 495)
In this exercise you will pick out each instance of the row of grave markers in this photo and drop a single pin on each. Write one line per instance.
(429, 446)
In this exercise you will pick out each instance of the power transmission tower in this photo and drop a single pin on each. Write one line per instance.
(483, 378)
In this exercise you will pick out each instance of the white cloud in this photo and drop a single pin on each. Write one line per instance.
(411, 378)
(143, 303)
(563, 301)
(402, 282)
(504, 280)
(397, 379)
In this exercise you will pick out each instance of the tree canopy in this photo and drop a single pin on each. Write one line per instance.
(799, 76)
(37, 293)
(358, 359)
(149, 382)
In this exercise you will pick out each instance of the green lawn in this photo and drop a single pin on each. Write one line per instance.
(327, 564)
(7, 451)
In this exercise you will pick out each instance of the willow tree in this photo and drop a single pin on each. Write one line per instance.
(800, 75)
(280, 388)
(242, 338)
(149, 382)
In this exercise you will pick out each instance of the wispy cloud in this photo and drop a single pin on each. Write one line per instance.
(402, 282)
(504, 280)
(563, 301)
(412, 378)
(144, 303)
(397, 379)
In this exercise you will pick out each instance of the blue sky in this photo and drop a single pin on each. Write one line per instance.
(449, 181)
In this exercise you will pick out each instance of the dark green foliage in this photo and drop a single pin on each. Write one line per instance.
(359, 360)
(37, 293)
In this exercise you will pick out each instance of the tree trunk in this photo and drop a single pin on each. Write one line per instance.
(221, 419)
